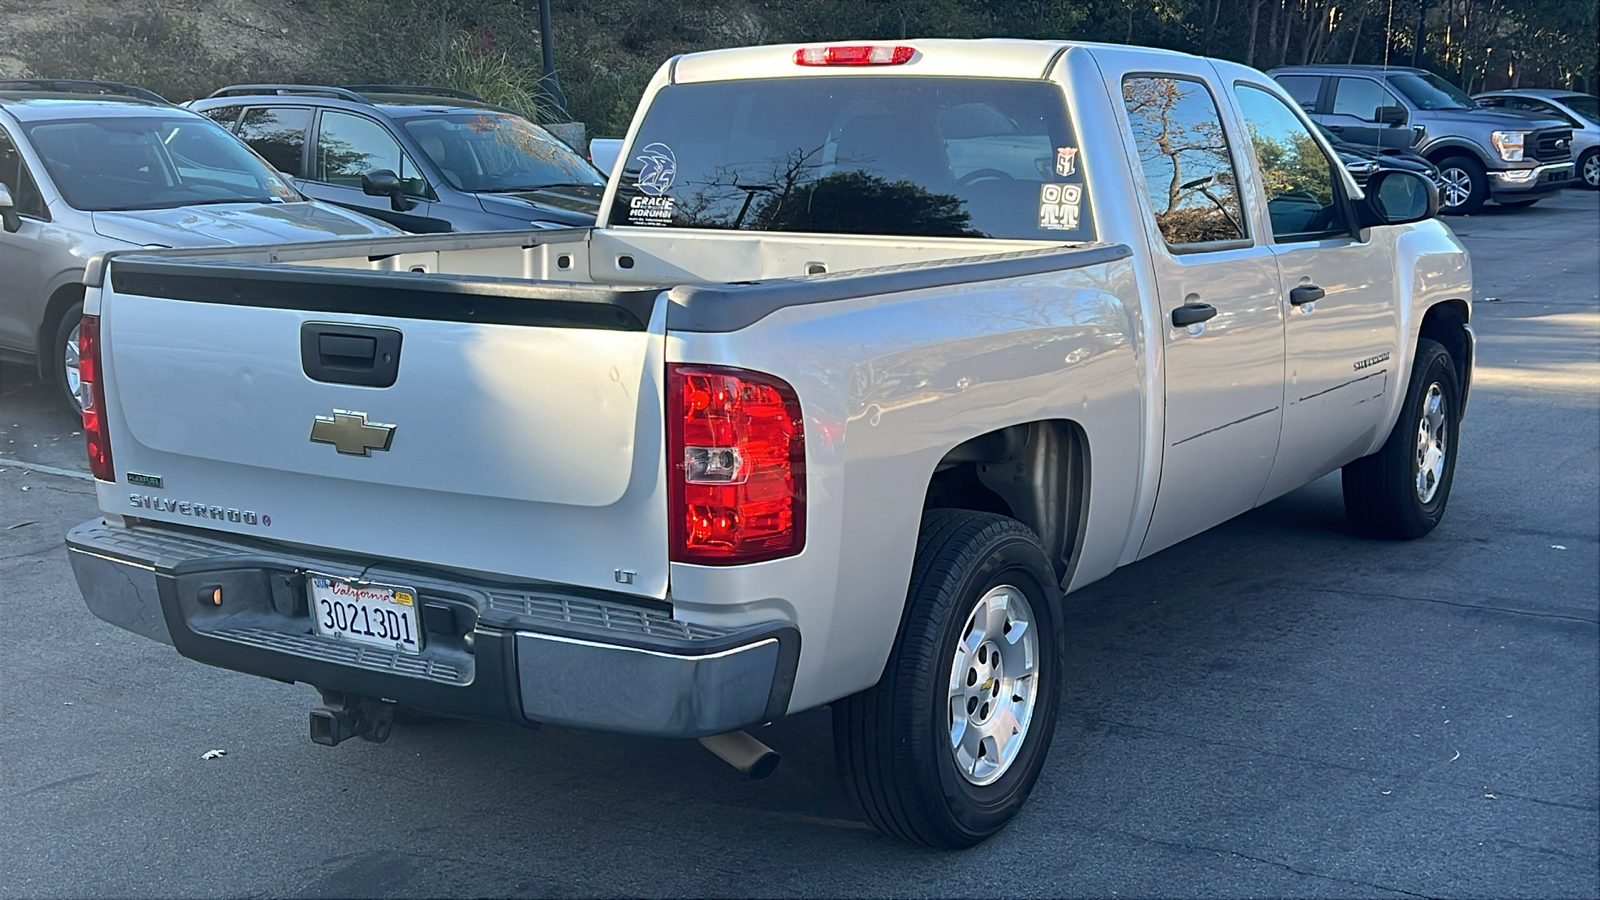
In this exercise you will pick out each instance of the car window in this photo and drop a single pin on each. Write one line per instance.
(15, 176)
(1360, 97)
(1303, 88)
(930, 157)
(495, 152)
(1491, 102)
(1586, 105)
(226, 116)
(279, 135)
(1429, 91)
(1302, 201)
(152, 162)
(1188, 170)
(349, 147)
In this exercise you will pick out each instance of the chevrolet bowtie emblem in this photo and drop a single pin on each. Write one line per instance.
(350, 432)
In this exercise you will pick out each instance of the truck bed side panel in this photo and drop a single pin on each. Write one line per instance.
(892, 382)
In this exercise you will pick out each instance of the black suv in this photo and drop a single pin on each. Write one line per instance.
(1482, 154)
(426, 159)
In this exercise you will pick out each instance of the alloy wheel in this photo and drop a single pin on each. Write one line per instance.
(69, 366)
(994, 685)
(1433, 443)
(1455, 187)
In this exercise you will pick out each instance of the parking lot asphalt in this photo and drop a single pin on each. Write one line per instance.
(1276, 707)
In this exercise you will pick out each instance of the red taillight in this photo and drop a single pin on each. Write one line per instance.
(736, 466)
(92, 394)
(856, 55)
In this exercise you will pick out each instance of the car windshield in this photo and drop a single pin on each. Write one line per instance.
(152, 162)
(1429, 91)
(498, 153)
(1584, 105)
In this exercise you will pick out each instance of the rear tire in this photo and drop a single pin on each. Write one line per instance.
(1401, 491)
(1463, 186)
(946, 747)
(63, 359)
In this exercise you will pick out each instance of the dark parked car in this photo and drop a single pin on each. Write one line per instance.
(1364, 162)
(1512, 158)
(426, 159)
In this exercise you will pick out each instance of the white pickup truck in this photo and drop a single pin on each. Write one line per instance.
(876, 351)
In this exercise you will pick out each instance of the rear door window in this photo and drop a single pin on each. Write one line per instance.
(278, 134)
(1303, 88)
(925, 157)
(1188, 166)
(226, 116)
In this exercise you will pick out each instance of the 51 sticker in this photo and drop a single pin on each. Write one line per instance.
(1058, 206)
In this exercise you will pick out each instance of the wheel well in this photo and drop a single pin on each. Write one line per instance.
(1036, 473)
(1441, 154)
(65, 296)
(1446, 323)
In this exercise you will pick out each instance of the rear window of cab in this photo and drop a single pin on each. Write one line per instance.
(894, 155)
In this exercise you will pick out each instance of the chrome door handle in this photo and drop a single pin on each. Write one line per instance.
(1306, 293)
(1192, 314)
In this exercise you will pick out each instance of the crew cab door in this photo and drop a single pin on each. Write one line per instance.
(1354, 114)
(1221, 317)
(1341, 321)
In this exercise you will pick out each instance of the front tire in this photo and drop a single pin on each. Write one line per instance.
(64, 356)
(945, 749)
(1401, 491)
(1463, 186)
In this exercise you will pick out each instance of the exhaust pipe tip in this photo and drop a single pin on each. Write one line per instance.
(742, 751)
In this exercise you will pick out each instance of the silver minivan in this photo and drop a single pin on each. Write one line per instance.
(90, 167)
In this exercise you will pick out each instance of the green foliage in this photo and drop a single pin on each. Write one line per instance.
(488, 47)
(145, 45)
(607, 50)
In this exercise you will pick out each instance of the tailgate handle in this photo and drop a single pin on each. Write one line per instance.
(350, 354)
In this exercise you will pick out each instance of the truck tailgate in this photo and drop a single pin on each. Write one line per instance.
(521, 434)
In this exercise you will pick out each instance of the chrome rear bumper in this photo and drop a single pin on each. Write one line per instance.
(494, 651)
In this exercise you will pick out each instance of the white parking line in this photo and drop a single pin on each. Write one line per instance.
(43, 469)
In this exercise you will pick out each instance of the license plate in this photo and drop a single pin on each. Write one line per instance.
(381, 615)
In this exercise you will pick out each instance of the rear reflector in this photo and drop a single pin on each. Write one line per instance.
(855, 55)
(92, 394)
(736, 454)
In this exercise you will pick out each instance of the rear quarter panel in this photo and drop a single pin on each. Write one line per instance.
(888, 384)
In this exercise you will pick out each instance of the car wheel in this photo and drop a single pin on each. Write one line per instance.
(1463, 186)
(1589, 170)
(1518, 204)
(946, 747)
(1401, 491)
(64, 356)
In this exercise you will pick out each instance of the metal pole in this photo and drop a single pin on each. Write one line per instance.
(547, 49)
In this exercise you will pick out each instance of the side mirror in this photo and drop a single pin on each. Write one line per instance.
(8, 211)
(385, 183)
(1397, 196)
(1392, 115)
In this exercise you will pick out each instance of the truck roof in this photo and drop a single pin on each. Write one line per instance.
(986, 57)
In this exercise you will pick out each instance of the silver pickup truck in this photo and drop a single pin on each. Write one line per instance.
(875, 352)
